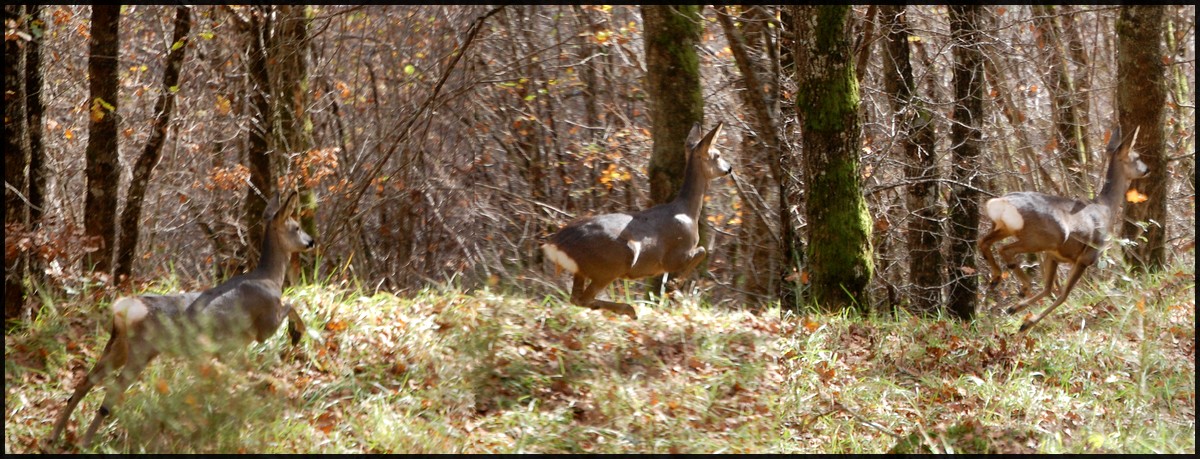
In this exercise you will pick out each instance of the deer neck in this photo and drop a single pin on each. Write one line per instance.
(1112, 194)
(272, 263)
(691, 193)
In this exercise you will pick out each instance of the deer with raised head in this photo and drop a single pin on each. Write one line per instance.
(1063, 230)
(600, 249)
(242, 309)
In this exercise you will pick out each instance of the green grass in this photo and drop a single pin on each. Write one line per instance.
(444, 371)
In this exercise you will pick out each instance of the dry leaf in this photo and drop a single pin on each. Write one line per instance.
(1135, 196)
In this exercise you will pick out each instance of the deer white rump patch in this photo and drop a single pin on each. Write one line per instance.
(1005, 213)
(636, 246)
(559, 257)
(128, 311)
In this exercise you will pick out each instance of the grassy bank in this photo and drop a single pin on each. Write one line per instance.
(1113, 370)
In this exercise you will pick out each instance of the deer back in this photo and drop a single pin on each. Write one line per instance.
(250, 304)
(640, 244)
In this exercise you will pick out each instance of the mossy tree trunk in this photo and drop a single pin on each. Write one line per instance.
(1141, 102)
(673, 87)
(839, 226)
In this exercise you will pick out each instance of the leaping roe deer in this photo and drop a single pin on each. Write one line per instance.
(1063, 230)
(603, 248)
(242, 309)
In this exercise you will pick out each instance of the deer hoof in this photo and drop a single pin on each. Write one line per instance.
(1025, 326)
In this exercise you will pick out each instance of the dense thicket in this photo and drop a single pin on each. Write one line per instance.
(441, 143)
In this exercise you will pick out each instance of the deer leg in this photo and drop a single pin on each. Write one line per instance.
(136, 363)
(681, 267)
(587, 297)
(1076, 273)
(1008, 253)
(985, 246)
(296, 327)
(1049, 272)
(111, 359)
(577, 287)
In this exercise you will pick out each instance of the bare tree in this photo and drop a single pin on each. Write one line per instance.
(103, 175)
(1141, 102)
(965, 137)
(142, 170)
(915, 128)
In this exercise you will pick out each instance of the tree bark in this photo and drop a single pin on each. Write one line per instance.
(1064, 105)
(676, 103)
(35, 108)
(16, 162)
(965, 137)
(262, 179)
(760, 93)
(103, 174)
(673, 87)
(288, 68)
(920, 169)
(1141, 102)
(142, 170)
(839, 225)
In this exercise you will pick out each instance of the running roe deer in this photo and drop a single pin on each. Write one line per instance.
(1063, 230)
(242, 309)
(663, 238)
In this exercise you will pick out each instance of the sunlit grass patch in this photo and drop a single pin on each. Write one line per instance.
(444, 371)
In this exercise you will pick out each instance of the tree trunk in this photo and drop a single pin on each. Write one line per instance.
(920, 170)
(764, 143)
(288, 68)
(132, 214)
(35, 108)
(1141, 102)
(964, 171)
(676, 103)
(1064, 105)
(103, 174)
(262, 180)
(673, 86)
(839, 225)
(16, 160)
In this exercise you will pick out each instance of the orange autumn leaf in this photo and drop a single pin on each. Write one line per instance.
(811, 325)
(1141, 306)
(1135, 196)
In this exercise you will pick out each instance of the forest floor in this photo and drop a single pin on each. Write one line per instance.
(441, 371)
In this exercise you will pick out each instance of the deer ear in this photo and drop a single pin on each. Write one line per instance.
(272, 206)
(693, 138)
(289, 206)
(712, 135)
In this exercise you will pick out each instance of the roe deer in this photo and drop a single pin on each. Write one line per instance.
(242, 309)
(1064, 230)
(660, 239)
